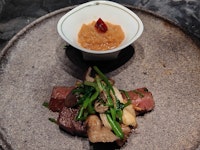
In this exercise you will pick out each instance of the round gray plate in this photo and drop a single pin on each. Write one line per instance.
(165, 60)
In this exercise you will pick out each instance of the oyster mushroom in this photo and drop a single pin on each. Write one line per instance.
(100, 107)
(88, 76)
(97, 132)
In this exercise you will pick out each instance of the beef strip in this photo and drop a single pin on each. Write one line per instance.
(142, 100)
(67, 122)
(58, 96)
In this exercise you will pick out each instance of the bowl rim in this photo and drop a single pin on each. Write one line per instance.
(98, 2)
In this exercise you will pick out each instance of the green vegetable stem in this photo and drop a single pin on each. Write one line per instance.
(115, 127)
(86, 107)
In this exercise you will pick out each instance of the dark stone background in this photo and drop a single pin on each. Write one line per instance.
(15, 14)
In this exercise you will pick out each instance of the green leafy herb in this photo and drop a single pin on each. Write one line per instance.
(86, 103)
(88, 92)
(45, 104)
(53, 120)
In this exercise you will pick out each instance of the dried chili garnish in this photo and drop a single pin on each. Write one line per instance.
(101, 26)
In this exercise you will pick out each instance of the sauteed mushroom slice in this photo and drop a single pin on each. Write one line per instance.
(71, 99)
(100, 107)
(97, 132)
(88, 76)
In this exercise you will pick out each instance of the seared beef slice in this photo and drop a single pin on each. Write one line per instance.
(58, 97)
(142, 100)
(67, 122)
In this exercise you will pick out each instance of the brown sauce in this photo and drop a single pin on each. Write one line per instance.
(90, 38)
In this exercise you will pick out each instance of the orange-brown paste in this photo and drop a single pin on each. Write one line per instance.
(90, 38)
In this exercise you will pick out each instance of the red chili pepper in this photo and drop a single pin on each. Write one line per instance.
(101, 26)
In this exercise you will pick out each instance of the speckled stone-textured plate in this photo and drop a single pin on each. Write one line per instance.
(164, 59)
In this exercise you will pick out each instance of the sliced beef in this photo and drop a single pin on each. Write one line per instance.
(142, 100)
(58, 96)
(67, 122)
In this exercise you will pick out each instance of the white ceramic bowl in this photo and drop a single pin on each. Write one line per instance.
(69, 25)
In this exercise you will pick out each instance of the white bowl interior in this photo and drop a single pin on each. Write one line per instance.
(70, 24)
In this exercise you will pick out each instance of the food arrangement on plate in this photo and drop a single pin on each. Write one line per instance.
(95, 108)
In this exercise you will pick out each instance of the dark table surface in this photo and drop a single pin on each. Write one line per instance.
(16, 14)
